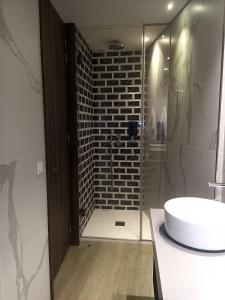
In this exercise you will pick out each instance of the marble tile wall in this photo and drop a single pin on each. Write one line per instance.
(24, 261)
(193, 100)
(194, 93)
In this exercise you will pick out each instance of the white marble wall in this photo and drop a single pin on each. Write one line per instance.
(24, 261)
(194, 91)
(193, 106)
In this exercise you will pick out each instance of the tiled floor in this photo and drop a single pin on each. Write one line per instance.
(106, 271)
(102, 225)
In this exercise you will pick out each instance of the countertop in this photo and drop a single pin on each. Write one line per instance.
(186, 274)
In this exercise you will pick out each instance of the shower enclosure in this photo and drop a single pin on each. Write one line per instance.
(129, 106)
(116, 104)
(153, 123)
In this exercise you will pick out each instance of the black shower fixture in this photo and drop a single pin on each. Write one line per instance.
(133, 129)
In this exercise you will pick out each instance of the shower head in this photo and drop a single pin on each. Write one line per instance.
(116, 45)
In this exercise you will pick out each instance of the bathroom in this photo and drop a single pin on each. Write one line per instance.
(106, 114)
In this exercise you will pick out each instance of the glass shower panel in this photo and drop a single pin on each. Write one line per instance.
(155, 99)
(181, 105)
(156, 78)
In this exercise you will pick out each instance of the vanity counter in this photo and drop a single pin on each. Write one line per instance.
(181, 273)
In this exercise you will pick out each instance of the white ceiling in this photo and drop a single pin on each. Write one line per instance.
(101, 21)
(99, 39)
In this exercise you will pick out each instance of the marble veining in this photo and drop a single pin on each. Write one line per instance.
(23, 283)
(175, 124)
(182, 74)
(183, 178)
(7, 38)
(193, 102)
(187, 77)
(169, 181)
(213, 141)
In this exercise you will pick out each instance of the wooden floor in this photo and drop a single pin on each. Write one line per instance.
(106, 271)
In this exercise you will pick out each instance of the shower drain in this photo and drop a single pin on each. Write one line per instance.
(119, 223)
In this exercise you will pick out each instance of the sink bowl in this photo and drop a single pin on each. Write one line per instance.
(196, 222)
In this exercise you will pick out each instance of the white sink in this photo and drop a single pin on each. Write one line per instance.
(196, 222)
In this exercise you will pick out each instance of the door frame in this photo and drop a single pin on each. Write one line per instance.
(72, 136)
(70, 45)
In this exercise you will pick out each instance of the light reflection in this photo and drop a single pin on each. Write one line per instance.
(170, 6)
(198, 8)
(146, 39)
(165, 40)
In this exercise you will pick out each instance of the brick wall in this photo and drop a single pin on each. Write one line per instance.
(108, 97)
(117, 100)
(85, 128)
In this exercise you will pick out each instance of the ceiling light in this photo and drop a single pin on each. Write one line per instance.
(163, 36)
(147, 39)
(168, 58)
(166, 69)
(170, 6)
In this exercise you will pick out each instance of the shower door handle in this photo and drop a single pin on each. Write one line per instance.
(216, 185)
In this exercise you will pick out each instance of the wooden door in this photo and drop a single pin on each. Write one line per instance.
(56, 134)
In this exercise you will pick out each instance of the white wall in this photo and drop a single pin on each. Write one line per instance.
(194, 94)
(24, 261)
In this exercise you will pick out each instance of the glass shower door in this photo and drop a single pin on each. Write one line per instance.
(155, 101)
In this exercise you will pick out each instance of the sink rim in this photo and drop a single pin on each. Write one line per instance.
(189, 226)
(199, 215)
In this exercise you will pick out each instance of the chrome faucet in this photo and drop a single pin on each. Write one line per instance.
(216, 185)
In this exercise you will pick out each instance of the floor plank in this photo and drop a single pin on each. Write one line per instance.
(100, 270)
